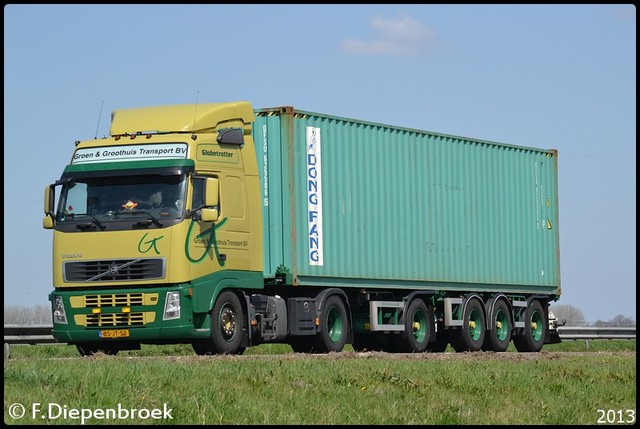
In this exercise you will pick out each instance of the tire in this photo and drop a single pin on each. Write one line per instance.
(227, 324)
(536, 326)
(418, 324)
(497, 338)
(334, 326)
(470, 337)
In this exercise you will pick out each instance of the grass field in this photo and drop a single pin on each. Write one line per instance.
(564, 384)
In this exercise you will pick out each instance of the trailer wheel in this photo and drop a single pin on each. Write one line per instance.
(227, 321)
(470, 337)
(334, 326)
(535, 329)
(418, 322)
(497, 339)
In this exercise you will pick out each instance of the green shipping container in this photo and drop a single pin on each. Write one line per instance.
(360, 204)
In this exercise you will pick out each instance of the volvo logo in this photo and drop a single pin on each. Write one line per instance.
(71, 255)
(113, 270)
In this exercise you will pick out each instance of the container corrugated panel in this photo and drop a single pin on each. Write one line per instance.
(355, 203)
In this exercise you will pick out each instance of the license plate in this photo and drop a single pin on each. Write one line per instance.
(114, 333)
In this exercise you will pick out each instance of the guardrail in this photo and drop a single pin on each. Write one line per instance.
(596, 333)
(41, 334)
(587, 333)
(28, 334)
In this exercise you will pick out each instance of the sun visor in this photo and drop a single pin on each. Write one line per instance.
(184, 118)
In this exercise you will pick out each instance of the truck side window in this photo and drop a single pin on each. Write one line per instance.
(199, 196)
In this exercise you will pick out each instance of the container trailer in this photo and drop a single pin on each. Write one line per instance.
(223, 226)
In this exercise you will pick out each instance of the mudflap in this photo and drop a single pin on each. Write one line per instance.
(554, 338)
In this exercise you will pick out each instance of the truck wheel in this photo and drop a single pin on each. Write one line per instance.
(418, 322)
(470, 337)
(497, 339)
(227, 321)
(535, 329)
(334, 326)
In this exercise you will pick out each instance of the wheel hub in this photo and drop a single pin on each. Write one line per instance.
(228, 322)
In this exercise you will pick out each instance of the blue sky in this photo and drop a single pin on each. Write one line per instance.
(548, 76)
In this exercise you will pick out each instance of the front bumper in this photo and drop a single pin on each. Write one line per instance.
(136, 312)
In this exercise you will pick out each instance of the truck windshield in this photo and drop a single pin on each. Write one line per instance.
(121, 202)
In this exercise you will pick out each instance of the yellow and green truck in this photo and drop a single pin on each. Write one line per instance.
(223, 226)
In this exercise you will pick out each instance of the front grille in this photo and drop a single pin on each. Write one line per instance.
(114, 270)
(120, 319)
(113, 300)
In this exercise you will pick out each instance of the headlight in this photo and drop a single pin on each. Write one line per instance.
(59, 315)
(172, 306)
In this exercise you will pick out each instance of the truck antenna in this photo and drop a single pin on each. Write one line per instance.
(99, 115)
(195, 111)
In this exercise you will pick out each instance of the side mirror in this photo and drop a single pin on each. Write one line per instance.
(212, 194)
(211, 212)
(209, 215)
(47, 222)
(49, 197)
